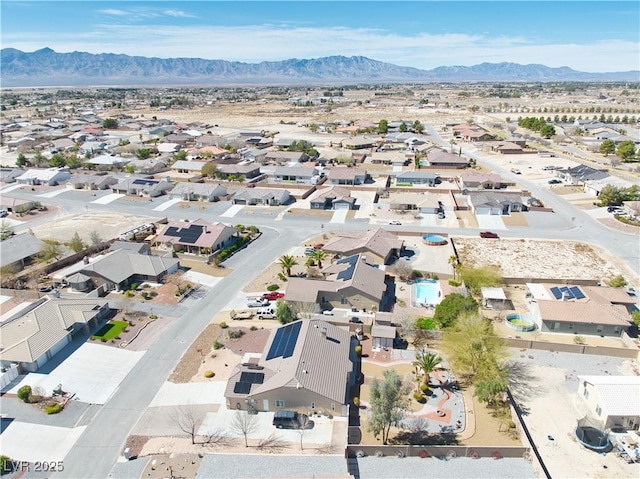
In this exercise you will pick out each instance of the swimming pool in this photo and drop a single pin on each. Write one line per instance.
(427, 292)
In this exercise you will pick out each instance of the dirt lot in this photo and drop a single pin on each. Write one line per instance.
(539, 259)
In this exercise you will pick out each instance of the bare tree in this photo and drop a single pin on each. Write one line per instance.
(403, 269)
(244, 423)
(271, 443)
(409, 326)
(216, 437)
(94, 238)
(303, 309)
(188, 418)
(302, 426)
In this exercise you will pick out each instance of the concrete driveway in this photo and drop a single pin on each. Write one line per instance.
(93, 373)
(37, 443)
(172, 394)
(490, 222)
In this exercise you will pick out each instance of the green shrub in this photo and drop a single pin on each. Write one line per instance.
(253, 328)
(454, 283)
(209, 374)
(426, 323)
(578, 339)
(358, 349)
(153, 316)
(217, 345)
(153, 294)
(24, 393)
(512, 425)
(356, 401)
(417, 395)
(273, 287)
(53, 408)
(129, 294)
(145, 295)
(224, 325)
(133, 286)
(415, 274)
(236, 333)
(424, 388)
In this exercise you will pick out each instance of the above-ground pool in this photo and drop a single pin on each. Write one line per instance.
(592, 438)
(427, 293)
(434, 240)
(519, 322)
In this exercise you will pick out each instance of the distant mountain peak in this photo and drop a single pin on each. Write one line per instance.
(81, 68)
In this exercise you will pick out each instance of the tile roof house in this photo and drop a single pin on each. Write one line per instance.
(580, 174)
(261, 196)
(142, 187)
(427, 203)
(199, 191)
(592, 310)
(246, 171)
(118, 269)
(34, 335)
(396, 158)
(379, 245)
(281, 157)
(18, 251)
(92, 182)
(481, 181)
(611, 401)
(195, 237)
(306, 365)
(495, 203)
(347, 176)
(294, 173)
(416, 178)
(332, 198)
(9, 175)
(359, 142)
(49, 176)
(350, 282)
(184, 166)
(443, 159)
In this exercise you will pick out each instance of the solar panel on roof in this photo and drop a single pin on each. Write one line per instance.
(566, 291)
(577, 292)
(284, 342)
(556, 292)
(252, 378)
(172, 231)
(348, 272)
(241, 387)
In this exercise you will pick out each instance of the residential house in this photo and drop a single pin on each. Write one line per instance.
(594, 187)
(142, 187)
(495, 202)
(579, 175)
(416, 178)
(332, 198)
(91, 147)
(297, 174)
(395, 158)
(359, 142)
(383, 332)
(195, 237)
(611, 401)
(472, 180)
(281, 157)
(9, 175)
(199, 191)
(48, 176)
(117, 270)
(148, 166)
(442, 159)
(379, 245)
(188, 167)
(472, 133)
(508, 147)
(18, 251)
(261, 196)
(91, 182)
(305, 365)
(108, 161)
(584, 310)
(246, 171)
(168, 147)
(423, 203)
(62, 144)
(342, 175)
(178, 138)
(36, 334)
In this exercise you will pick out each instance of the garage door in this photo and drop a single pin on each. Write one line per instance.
(341, 206)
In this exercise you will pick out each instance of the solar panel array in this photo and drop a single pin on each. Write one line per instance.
(241, 388)
(141, 181)
(186, 235)
(348, 273)
(253, 378)
(284, 341)
(572, 292)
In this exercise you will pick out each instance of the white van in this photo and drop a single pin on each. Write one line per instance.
(266, 313)
(257, 302)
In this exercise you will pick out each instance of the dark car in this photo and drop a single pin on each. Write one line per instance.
(45, 289)
(291, 420)
(554, 181)
(355, 319)
(488, 234)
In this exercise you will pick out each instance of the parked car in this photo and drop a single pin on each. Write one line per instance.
(488, 234)
(309, 251)
(291, 420)
(355, 319)
(515, 171)
(554, 181)
(257, 302)
(45, 289)
(266, 313)
(327, 312)
(395, 222)
(272, 296)
(318, 246)
(4, 213)
(548, 168)
(441, 215)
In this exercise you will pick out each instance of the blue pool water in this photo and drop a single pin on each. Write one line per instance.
(428, 292)
(434, 239)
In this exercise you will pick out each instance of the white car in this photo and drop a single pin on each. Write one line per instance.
(327, 312)
(395, 222)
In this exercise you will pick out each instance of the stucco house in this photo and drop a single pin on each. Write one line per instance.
(350, 282)
(495, 202)
(261, 196)
(471, 180)
(195, 237)
(379, 245)
(416, 178)
(188, 167)
(584, 310)
(18, 251)
(299, 174)
(91, 182)
(198, 191)
(142, 187)
(579, 175)
(246, 171)
(35, 334)
(332, 198)
(48, 176)
(442, 159)
(305, 366)
(347, 176)
(611, 401)
(281, 157)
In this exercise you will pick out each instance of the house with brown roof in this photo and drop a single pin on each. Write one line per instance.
(281, 157)
(306, 365)
(35, 334)
(481, 181)
(342, 175)
(584, 310)
(246, 171)
(195, 237)
(379, 245)
(350, 282)
(332, 198)
(443, 159)
(359, 142)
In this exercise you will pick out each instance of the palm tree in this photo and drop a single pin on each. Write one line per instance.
(427, 362)
(287, 262)
(453, 261)
(318, 256)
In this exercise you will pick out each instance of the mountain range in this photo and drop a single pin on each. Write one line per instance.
(46, 67)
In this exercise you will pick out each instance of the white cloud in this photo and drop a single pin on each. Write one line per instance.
(113, 11)
(177, 14)
(272, 43)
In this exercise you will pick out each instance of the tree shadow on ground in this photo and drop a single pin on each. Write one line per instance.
(523, 383)
(423, 438)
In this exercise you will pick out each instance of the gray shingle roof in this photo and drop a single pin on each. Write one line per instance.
(120, 265)
(19, 247)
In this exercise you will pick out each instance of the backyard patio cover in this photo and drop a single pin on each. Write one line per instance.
(493, 294)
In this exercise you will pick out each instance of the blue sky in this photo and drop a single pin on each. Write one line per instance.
(585, 35)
